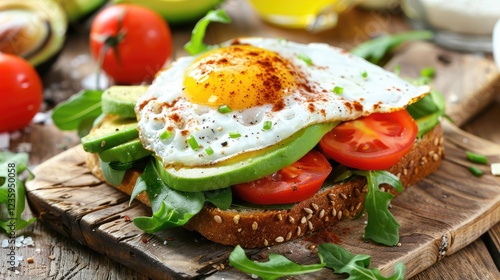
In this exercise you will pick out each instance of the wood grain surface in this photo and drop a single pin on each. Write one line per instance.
(57, 256)
(439, 216)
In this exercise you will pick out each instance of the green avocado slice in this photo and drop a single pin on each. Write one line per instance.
(270, 160)
(121, 100)
(127, 152)
(111, 131)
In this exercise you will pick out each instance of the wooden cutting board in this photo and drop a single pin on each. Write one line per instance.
(438, 216)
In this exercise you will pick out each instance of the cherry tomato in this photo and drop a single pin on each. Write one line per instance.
(21, 92)
(293, 183)
(130, 42)
(375, 142)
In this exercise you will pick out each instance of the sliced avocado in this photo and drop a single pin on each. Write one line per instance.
(37, 30)
(77, 10)
(263, 163)
(126, 152)
(111, 131)
(120, 100)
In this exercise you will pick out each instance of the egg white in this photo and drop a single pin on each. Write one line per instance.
(367, 88)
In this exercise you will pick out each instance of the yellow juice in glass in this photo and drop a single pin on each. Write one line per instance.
(313, 15)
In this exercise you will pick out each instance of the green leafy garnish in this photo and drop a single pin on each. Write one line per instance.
(209, 151)
(476, 158)
(234, 134)
(475, 171)
(12, 192)
(342, 261)
(267, 125)
(374, 50)
(79, 111)
(113, 176)
(195, 44)
(364, 74)
(165, 134)
(224, 109)
(382, 227)
(220, 198)
(277, 266)
(427, 111)
(193, 143)
(171, 208)
(338, 90)
(305, 58)
(330, 255)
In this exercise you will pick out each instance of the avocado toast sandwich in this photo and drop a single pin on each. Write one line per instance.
(261, 141)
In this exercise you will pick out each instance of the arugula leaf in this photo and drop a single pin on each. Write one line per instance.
(382, 227)
(81, 108)
(428, 110)
(16, 198)
(171, 208)
(342, 261)
(220, 198)
(113, 176)
(277, 265)
(374, 50)
(195, 44)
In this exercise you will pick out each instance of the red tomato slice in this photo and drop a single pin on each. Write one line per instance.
(375, 142)
(291, 184)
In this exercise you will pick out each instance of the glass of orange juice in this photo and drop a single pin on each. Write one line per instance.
(312, 15)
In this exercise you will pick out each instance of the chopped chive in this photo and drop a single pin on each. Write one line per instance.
(305, 58)
(397, 69)
(165, 134)
(427, 72)
(282, 41)
(267, 125)
(476, 158)
(338, 90)
(364, 74)
(224, 109)
(209, 151)
(193, 143)
(475, 171)
(234, 135)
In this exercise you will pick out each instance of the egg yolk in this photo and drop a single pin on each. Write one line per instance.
(240, 77)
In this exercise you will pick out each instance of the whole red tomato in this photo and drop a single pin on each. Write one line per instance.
(130, 42)
(21, 92)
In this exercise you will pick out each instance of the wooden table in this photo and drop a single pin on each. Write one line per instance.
(58, 257)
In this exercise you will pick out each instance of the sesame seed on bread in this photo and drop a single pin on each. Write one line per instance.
(251, 228)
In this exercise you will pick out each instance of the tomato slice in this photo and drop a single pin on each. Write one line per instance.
(291, 184)
(375, 142)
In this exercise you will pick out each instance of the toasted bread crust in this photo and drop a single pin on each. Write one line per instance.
(260, 228)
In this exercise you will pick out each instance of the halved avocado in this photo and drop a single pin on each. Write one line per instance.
(177, 12)
(34, 30)
(77, 10)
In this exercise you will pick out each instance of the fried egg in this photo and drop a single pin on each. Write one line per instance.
(251, 93)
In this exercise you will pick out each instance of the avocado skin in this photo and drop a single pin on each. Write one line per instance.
(270, 160)
(111, 131)
(127, 152)
(177, 12)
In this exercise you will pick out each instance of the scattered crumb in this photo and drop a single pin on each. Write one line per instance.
(495, 168)
(52, 257)
(30, 260)
(4, 140)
